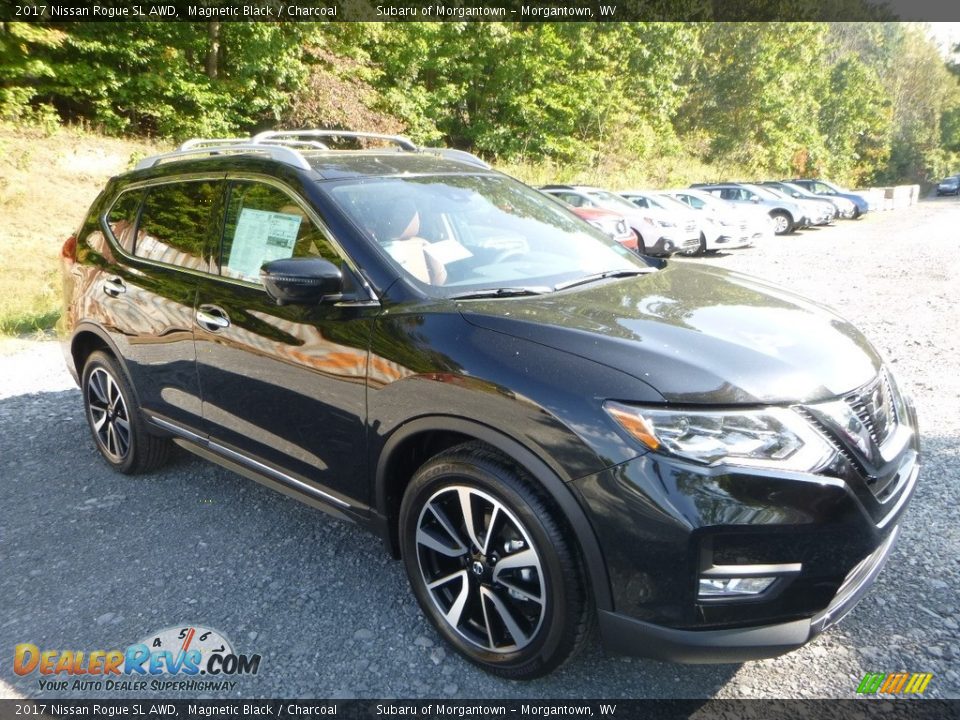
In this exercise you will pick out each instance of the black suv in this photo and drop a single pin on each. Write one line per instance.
(551, 431)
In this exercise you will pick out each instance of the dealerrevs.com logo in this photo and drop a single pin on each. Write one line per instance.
(898, 683)
(171, 659)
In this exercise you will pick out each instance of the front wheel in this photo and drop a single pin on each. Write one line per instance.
(641, 246)
(491, 565)
(782, 223)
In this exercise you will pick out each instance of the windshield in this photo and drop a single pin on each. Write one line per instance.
(458, 233)
(608, 199)
(668, 202)
(766, 193)
(796, 190)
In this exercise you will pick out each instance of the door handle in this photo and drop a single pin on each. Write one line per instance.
(212, 318)
(114, 287)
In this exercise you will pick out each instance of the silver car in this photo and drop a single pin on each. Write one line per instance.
(787, 215)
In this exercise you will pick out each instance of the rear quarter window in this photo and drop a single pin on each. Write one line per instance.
(122, 218)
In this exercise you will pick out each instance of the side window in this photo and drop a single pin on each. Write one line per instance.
(571, 198)
(176, 221)
(641, 202)
(694, 201)
(263, 223)
(122, 218)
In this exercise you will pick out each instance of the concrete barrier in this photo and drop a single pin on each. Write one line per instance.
(894, 197)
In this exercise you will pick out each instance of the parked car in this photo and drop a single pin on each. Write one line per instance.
(828, 189)
(709, 231)
(613, 225)
(731, 225)
(949, 186)
(787, 215)
(549, 430)
(817, 211)
(657, 233)
(843, 207)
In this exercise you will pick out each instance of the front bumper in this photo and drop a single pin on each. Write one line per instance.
(664, 525)
(626, 636)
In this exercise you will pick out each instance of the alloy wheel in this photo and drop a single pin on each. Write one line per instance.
(781, 224)
(108, 414)
(480, 568)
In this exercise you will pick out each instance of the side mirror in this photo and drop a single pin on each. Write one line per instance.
(302, 281)
(755, 199)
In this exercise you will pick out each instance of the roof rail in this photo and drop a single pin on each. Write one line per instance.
(273, 135)
(195, 143)
(280, 153)
(461, 155)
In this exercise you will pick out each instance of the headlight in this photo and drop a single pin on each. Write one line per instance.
(768, 438)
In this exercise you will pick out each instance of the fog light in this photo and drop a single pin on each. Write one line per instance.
(733, 587)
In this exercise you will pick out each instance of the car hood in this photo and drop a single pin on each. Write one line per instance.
(695, 335)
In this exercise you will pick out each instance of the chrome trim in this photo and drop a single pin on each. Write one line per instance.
(177, 429)
(746, 571)
(245, 460)
(275, 474)
(854, 586)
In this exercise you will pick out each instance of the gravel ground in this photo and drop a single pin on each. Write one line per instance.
(94, 560)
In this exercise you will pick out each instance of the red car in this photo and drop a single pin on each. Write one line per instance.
(611, 223)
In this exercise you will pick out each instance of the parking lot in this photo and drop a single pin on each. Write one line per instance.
(91, 560)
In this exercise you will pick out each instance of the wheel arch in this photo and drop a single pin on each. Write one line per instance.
(418, 440)
(87, 339)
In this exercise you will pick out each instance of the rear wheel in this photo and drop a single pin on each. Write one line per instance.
(490, 564)
(116, 423)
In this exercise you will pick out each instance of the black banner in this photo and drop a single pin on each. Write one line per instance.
(528, 11)
(440, 709)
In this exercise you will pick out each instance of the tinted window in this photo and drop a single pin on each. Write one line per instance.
(176, 221)
(123, 217)
(264, 223)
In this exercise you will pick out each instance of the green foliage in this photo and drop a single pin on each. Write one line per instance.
(856, 101)
(856, 119)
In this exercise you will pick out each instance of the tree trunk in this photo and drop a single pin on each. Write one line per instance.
(213, 49)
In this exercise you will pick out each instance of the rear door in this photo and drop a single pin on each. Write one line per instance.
(284, 387)
(148, 295)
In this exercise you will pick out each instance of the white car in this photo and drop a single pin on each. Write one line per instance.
(726, 224)
(657, 230)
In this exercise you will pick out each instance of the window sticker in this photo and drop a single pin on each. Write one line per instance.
(261, 236)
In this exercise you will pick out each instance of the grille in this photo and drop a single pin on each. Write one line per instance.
(873, 404)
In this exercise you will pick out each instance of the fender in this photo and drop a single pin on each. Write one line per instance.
(88, 327)
(561, 493)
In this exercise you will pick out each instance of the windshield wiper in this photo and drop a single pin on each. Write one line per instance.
(500, 292)
(603, 276)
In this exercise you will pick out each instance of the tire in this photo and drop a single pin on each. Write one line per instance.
(856, 213)
(641, 246)
(520, 622)
(782, 222)
(702, 249)
(115, 420)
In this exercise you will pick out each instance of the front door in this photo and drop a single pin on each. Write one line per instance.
(283, 387)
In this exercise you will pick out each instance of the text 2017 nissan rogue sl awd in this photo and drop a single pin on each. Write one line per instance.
(551, 431)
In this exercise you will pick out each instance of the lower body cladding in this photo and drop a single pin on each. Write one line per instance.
(732, 564)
